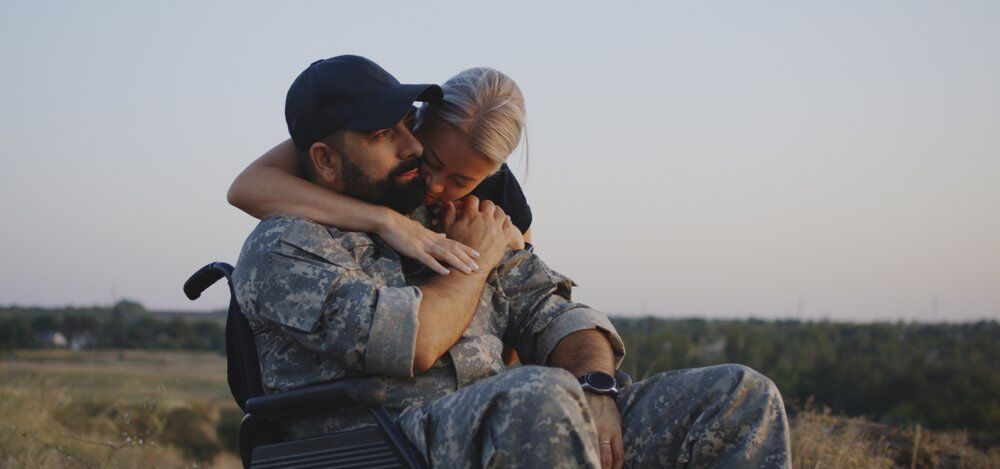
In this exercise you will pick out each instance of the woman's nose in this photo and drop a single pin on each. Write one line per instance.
(433, 186)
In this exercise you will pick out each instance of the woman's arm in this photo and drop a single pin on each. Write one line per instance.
(271, 185)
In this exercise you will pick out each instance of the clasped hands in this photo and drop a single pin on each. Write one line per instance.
(460, 246)
(481, 225)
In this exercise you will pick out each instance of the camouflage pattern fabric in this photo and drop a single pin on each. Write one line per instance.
(532, 416)
(328, 305)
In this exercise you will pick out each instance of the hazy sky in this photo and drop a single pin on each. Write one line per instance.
(779, 159)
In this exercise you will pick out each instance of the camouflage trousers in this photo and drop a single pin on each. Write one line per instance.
(532, 416)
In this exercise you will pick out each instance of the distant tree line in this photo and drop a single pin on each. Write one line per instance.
(126, 325)
(943, 376)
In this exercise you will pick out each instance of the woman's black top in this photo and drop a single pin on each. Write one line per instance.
(502, 189)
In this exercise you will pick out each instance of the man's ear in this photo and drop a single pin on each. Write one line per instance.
(327, 164)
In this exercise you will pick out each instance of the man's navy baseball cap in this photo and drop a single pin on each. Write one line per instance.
(348, 92)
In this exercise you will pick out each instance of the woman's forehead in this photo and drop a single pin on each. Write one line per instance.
(452, 149)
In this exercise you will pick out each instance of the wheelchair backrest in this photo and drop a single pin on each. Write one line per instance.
(242, 361)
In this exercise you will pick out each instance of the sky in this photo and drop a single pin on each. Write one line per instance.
(710, 159)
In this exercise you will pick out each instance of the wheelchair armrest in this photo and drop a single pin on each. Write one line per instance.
(342, 394)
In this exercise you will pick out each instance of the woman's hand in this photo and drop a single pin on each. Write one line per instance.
(411, 239)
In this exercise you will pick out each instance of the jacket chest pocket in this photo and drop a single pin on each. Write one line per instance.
(295, 293)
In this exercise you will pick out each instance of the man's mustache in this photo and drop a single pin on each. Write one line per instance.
(406, 166)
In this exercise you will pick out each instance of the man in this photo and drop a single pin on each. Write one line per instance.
(327, 305)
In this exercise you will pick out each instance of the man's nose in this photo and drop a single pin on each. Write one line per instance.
(411, 147)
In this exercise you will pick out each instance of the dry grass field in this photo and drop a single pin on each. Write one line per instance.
(115, 409)
(173, 409)
(821, 440)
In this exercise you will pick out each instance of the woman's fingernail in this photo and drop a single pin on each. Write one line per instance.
(475, 253)
(475, 266)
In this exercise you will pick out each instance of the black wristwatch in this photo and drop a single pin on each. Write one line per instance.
(599, 382)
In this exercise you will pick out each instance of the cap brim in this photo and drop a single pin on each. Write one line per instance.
(392, 106)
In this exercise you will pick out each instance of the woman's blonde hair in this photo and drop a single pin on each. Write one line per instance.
(485, 106)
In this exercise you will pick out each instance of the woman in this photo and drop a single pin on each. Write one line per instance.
(467, 138)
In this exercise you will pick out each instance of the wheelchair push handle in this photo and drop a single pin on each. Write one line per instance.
(205, 277)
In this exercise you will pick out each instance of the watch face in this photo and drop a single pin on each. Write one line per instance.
(600, 380)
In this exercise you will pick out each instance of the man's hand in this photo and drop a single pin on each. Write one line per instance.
(589, 350)
(478, 225)
(609, 429)
(515, 239)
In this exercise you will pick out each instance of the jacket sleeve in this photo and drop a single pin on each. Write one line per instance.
(309, 287)
(541, 309)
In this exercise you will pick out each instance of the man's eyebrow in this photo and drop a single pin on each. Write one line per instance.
(409, 115)
(371, 133)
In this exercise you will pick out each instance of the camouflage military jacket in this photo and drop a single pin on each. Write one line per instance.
(326, 304)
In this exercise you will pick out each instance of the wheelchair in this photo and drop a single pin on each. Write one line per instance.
(260, 442)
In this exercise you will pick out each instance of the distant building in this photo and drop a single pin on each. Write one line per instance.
(54, 339)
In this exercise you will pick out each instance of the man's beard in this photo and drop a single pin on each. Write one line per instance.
(403, 198)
